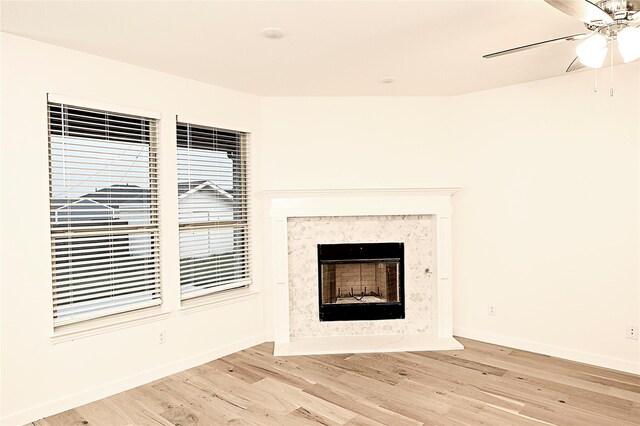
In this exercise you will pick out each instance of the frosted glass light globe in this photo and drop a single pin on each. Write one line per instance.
(629, 43)
(592, 51)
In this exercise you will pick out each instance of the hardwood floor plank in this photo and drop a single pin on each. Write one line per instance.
(360, 406)
(488, 415)
(268, 368)
(237, 393)
(135, 411)
(189, 407)
(331, 411)
(559, 366)
(238, 372)
(262, 416)
(66, 418)
(418, 379)
(572, 366)
(554, 381)
(100, 412)
(394, 398)
(304, 416)
(359, 368)
(363, 421)
(454, 360)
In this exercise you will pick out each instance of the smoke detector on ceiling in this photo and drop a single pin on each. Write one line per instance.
(273, 33)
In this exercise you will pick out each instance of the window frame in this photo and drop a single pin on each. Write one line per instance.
(108, 318)
(238, 289)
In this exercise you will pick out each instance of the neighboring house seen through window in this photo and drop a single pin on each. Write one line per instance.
(213, 209)
(104, 212)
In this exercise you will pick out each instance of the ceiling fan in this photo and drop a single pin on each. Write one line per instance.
(606, 21)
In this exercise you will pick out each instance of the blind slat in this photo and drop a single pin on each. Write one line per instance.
(118, 288)
(95, 262)
(91, 271)
(145, 300)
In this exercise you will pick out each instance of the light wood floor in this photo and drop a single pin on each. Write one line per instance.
(483, 384)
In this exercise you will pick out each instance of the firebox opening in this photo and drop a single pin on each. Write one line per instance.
(362, 281)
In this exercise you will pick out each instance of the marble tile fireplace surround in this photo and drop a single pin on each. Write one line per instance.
(414, 222)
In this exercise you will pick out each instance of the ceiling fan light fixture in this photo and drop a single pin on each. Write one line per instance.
(629, 43)
(593, 51)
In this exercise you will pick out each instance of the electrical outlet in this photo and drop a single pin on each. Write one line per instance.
(632, 332)
(492, 310)
(162, 336)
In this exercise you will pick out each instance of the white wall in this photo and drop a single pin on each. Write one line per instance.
(40, 377)
(558, 252)
(546, 224)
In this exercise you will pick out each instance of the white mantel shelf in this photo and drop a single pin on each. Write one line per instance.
(283, 204)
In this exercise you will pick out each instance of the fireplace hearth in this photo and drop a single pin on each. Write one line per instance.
(361, 281)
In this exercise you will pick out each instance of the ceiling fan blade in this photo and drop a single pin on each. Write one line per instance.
(533, 45)
(583, 10)
(575, 65)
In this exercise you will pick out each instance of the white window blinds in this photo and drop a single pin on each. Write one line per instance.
(104, 212)
(213, 209)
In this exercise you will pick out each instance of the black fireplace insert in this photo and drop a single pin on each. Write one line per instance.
(362, 281)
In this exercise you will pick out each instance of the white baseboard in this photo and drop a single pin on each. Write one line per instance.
(108, 389)
(541, 348)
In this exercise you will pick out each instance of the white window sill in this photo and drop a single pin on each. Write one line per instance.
(131, 319)
(218, 299)
(108, 324)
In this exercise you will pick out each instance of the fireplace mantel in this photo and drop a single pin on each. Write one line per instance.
(285, 204)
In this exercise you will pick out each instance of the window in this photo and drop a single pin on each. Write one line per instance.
(104, 212)
(213, 209)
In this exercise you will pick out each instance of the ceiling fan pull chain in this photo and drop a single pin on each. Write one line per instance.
(611, 67)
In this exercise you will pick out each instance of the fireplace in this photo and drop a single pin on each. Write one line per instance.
(418, 218)
(362, 281)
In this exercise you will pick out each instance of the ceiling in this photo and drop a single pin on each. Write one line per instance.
(332, 48)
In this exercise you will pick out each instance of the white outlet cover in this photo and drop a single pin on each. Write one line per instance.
(632, 332)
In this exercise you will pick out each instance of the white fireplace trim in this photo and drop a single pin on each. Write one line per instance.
(359, 202)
